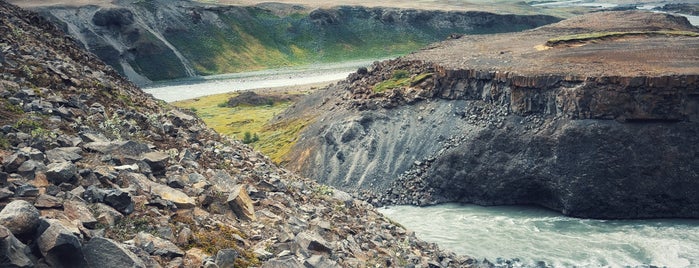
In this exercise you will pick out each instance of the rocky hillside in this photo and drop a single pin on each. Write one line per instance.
(93, 172)
(590, 116)
(164, 39)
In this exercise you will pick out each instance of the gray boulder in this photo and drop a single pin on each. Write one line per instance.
(157, 246)
(59, 246)
(20, 217)
(226, 257)
(12, 252)
(64, 154)
(61, 172)
(106, 253)
(12, 162)
(119, 200)
(157, 161)
(29, 168)
(283, 262)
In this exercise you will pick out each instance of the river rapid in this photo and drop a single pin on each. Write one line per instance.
(532, 234)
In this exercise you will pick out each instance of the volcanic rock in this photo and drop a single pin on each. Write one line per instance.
(20, 217)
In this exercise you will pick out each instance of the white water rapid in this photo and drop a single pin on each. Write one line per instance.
(532, 234)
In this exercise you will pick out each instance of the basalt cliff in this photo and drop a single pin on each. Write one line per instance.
(162, 39)
(595, 116)
(95, 173)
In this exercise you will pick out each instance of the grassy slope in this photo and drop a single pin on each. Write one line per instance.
(274, 140)
(252, 38)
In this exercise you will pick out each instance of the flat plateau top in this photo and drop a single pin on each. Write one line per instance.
(630, 43)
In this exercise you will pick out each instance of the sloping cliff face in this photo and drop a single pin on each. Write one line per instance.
(96, 173)
(588, 141)
(158, 39)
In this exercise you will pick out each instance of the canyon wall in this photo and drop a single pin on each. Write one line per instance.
(160, 40)
(601, 147)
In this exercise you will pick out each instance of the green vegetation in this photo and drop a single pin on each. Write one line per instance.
(577, 38)
(401, 78)
(250, 123)
(247, 138)
(251, 38)
(213, 239)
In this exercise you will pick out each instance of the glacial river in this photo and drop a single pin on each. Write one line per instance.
(190, 88)
(532, 234)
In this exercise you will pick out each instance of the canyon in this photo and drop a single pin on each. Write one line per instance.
(595, 127)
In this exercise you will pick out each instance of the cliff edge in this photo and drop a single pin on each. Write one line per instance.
(592, 116)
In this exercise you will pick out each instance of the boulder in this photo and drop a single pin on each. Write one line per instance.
(106, 215)
(119, 200)
(26, 190)
(283, 262)
(180, 118)
(20, 217)
(311, 241)
(32, 153)
(241, 204)
(61, 172)
(173, 195)
(13, 252)
(29, 168)
(221, 180)
(226, 257)
(12, 162)
(64, 154)
(47, 201)
(106, 253)
(76, 210)
(157, 161)
(157, 246)
(59, 246)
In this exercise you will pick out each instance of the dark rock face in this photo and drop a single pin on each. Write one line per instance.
(585, 168)
(113, 17)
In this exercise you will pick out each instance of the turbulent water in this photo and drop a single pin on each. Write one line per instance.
(532, 234)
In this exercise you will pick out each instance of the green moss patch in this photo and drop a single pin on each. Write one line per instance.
(580, 38)
(401, 78)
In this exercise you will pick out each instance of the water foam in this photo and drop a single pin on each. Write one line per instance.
(532, 234)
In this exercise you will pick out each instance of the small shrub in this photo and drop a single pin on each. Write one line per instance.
(250, 138)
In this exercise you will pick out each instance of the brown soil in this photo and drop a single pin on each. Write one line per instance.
(526, 52)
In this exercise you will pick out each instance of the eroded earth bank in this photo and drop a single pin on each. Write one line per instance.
(594, 116)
